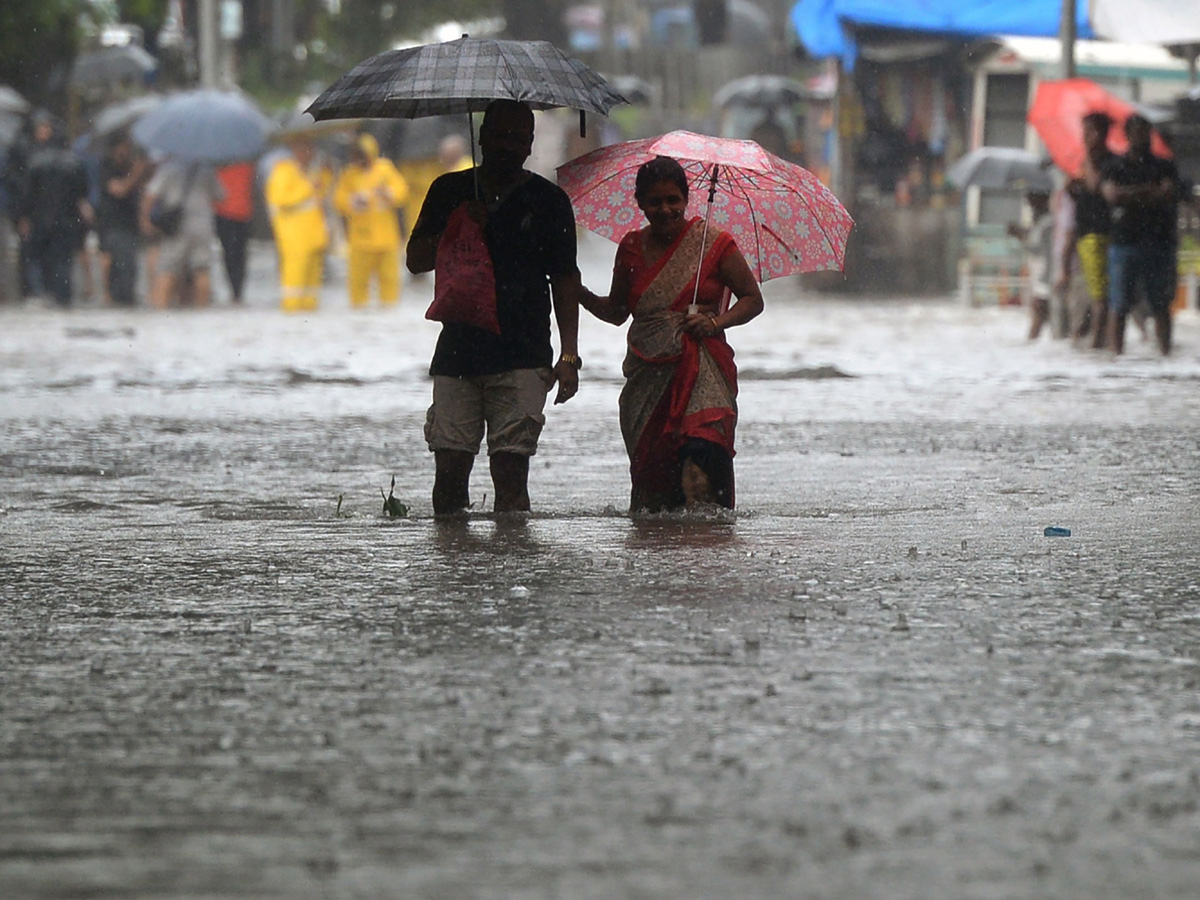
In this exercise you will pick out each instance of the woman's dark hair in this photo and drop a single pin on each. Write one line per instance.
(656, 171)
(717, 465)
(1101, 121)
(1135, 121)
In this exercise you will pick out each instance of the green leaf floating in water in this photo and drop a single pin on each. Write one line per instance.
(392, 505)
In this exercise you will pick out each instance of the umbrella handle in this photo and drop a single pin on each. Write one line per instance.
(694, 307)
(474, 165)
(471, 130)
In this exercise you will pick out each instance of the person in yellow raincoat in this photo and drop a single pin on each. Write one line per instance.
(295, 192)
(369, 193)
(420, 172)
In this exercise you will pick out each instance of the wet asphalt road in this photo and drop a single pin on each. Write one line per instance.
(224, 674)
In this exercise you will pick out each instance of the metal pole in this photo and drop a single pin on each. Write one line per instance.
(209, 49)
(837, 170)
(1066, 37)
(693, 307)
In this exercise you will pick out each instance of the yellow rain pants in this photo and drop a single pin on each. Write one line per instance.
(296, 201)
(369, 194)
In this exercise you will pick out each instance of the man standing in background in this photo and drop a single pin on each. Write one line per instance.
(233, 214)
(1143, 192)
(369, 194)
(123, 174)
(296, 191)
(1092, 224)
(54, 211)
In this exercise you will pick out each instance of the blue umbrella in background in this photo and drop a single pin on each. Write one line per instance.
(214, 126)
(122, 115)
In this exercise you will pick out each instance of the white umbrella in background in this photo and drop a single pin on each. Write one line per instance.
(1001, 168)
(124, 114)
(1167, 22)
(110, 65)
(12, 102)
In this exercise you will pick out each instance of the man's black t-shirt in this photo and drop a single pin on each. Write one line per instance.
(116, 213)
(1092, 215)
(531, 238)
(1134, 223)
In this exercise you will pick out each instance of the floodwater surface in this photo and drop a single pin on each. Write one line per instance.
(224, 673)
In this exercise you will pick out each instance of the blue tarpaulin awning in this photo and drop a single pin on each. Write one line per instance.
(825, 26)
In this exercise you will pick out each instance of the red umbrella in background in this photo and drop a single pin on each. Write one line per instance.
(1057, 116)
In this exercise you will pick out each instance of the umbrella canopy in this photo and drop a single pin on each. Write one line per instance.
(10, 127)
(1057, 116)
(1001, 168)
(761, 90)
(122, 115)
(1147, 21)
(217, 126)
(462, 76)
(303, 125)
(112, 64)
(12, 102)
(783, 218)
(637, 91)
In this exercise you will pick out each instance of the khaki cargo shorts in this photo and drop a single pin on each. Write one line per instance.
(510, 404)
(188, 251)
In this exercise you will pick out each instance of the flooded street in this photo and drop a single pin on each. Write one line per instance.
(224, 674)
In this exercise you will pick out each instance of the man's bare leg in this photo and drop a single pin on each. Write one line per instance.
(1138, 314)
(1099, 325)
(163, 291)
(1162, 330)
(1116, 331)
(201, 288)
(450, 481)
(1041, 312)
(510, 478)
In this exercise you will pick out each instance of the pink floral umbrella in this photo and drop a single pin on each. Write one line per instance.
(783, 218)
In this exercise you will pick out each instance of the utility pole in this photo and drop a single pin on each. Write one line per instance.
(209, 49)
(1066, 37)
(283, 39)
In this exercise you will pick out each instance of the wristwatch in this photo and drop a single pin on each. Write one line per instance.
(571, 359)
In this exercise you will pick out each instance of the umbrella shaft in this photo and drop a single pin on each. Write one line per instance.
(694, 307)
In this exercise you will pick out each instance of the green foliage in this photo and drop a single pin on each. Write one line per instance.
(366, 27)
(39, 40)
(335, 43)
(149, 14)
(36, 38)
(393, 506)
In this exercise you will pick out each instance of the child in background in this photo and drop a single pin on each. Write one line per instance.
(1038, 239)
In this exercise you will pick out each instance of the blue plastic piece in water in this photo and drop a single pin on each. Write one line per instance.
(1055, 531)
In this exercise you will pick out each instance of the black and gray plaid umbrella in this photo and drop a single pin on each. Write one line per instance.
(461, 77)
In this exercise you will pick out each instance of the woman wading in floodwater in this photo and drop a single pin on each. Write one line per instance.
(678, 408)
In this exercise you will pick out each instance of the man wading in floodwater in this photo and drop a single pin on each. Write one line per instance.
(501, 379)
(1142, 191)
